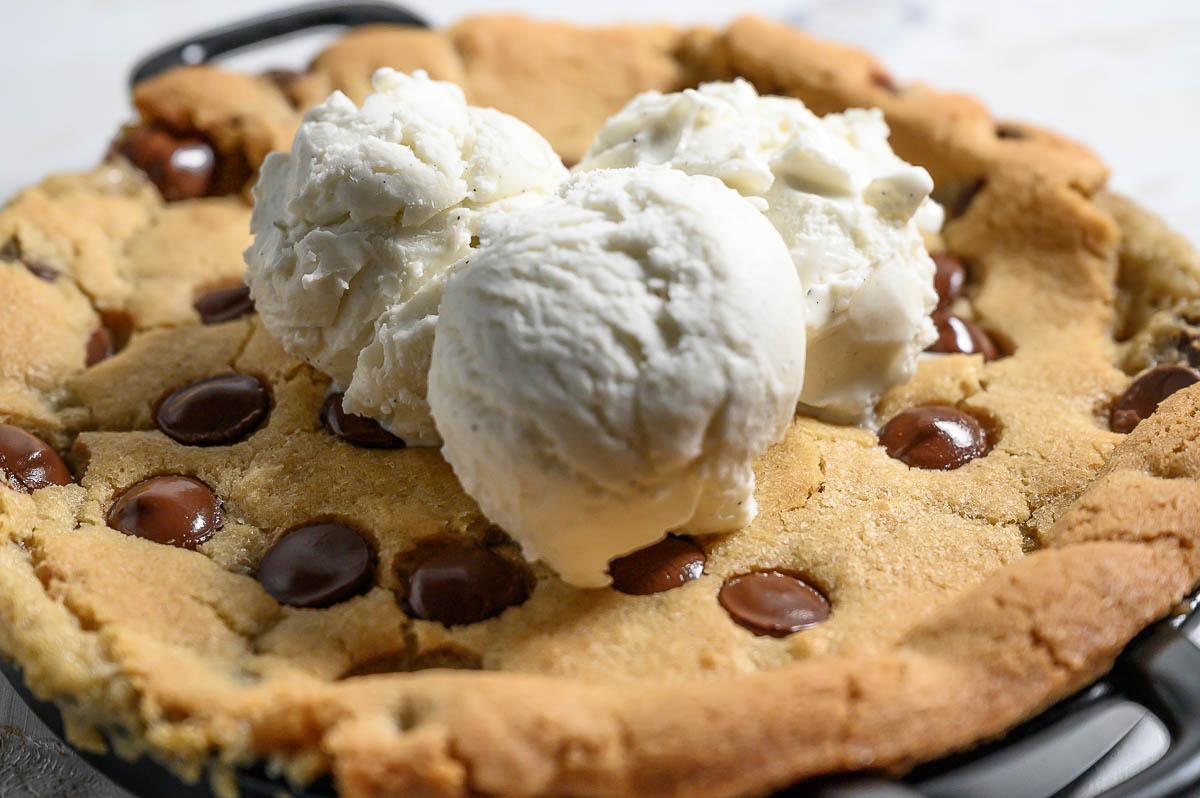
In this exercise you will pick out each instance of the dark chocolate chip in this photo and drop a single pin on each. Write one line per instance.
(957, 197)
(28, 463)
(1189, 349)
(182, 167)
(1143, 396)
(1007, 130)
(949, 279)
(172, 510)
(882, 80)
(773, 603)
(1123, 420)
(665, 565)
(11, 250)
(224, 304)
(214, 411)
(119, 326)
(317, 565)
(459, 583)
(99, 346)
(356, 430)
(934, 437)
(41, 271)
(956, 335)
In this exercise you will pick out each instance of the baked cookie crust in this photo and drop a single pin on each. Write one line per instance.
(963, 601)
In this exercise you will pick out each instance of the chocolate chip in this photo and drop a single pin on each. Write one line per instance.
(41, 271)
(1123, 420)
(934, 437)
(1007, 130)
(957, 335)
(119, 326)
(11, 250)
(882, 80)
(99, 347)
(773, 603)
(224, 304)
(172, 510)
(356, 430)
(957, 197)
(181, 166)
(1142, 398)
(949, 279)
(665, 565)
(1189, 349)
(458, 584)
(317, 565)
(27, 463)
(214, 411)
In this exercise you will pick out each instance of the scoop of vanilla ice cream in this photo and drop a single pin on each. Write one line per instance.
(849, 210)
(357, 226)
(612, 361)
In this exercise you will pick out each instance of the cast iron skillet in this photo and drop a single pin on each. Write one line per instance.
(1043, 758)
(253, 32)
(1046, 756)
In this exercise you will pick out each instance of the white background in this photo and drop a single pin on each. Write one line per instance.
(1123, 76)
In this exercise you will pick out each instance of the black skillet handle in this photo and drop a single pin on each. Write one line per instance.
(1163, 665)
(218, 41)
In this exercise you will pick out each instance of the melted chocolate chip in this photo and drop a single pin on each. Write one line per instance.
(214, 411)
(949, 279)
(1007, 130)
(99, 347)
(41, 271)
(665, 565)
(181, 167)
(934, 437)
(317, 565)
(773, 603)
(356, 430)
(1189, 349)
(1142, 398)
(458, 584)
(224, 304)
(27, 463)
(119, 326)
(172, 510)
(957, 335)
(882, 80)
(11, 251)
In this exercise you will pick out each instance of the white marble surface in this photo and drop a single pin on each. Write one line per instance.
(1123, 76)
